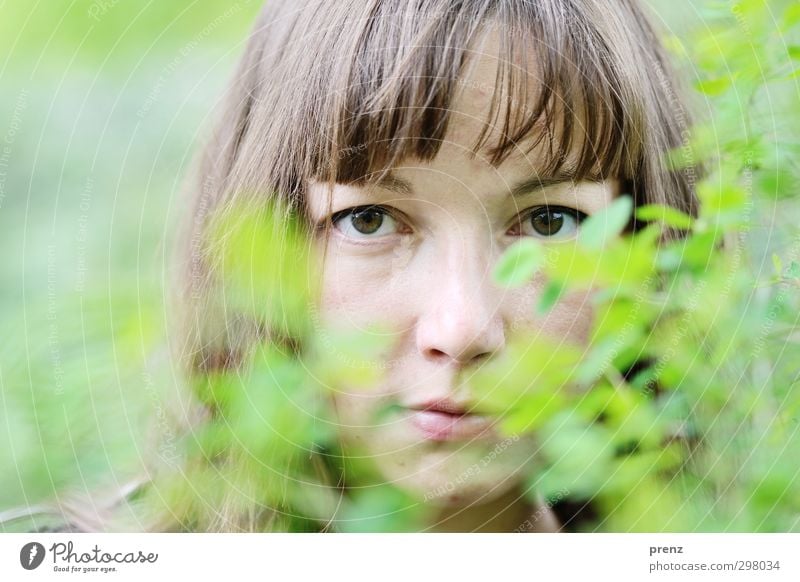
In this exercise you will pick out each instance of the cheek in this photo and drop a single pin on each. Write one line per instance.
(353, 414)
(359, 289)
(570, 320)
(364, 421)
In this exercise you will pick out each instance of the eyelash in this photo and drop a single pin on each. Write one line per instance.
(387, 210)
(384, 210)
(576, 214)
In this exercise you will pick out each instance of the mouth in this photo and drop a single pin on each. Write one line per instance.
(447, 420)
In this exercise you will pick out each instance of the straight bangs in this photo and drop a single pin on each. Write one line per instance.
(561, 90)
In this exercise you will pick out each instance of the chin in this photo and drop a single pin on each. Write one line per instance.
(450, 477)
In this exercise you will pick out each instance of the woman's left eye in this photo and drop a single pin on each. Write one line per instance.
(365, 222)
(555, 222)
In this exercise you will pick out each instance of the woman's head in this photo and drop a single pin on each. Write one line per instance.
(419, 140)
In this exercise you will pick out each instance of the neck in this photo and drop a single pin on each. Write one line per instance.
(511, 512)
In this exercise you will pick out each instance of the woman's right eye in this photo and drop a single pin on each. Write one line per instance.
(363, 222)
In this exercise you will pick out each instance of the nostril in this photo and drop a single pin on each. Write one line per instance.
(478, 359)
(436, 354)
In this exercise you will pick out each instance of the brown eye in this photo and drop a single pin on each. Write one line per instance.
(552, 222)
(365, 222)
(547, 223)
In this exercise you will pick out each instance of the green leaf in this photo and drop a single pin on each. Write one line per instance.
(263, 256)
(792, 16)
(713, 87)
(794, 270)
(666, 214)
(794, 52)
(776, 261)
(598, 229)
(793, 75)
(552, 293)
(722, 204)
(519, 263)
(582, 457)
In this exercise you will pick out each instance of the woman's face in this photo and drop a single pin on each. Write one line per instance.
(416, 252)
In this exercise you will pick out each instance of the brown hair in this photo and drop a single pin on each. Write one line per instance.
(339, 91)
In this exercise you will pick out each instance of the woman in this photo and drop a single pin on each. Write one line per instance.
(417, 141)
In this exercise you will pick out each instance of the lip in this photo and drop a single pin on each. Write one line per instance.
(446, 420)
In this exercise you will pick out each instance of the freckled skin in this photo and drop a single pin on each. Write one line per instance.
(431, 284)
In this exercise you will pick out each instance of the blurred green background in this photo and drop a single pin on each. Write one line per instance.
(102, 105)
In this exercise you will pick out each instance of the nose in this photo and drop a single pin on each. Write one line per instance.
(461, 323)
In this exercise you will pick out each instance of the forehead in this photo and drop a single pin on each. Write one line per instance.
(479, 107)
(471, 107)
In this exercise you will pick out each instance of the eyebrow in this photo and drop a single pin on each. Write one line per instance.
(394, 183)
(402, 186)
(541, 182)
